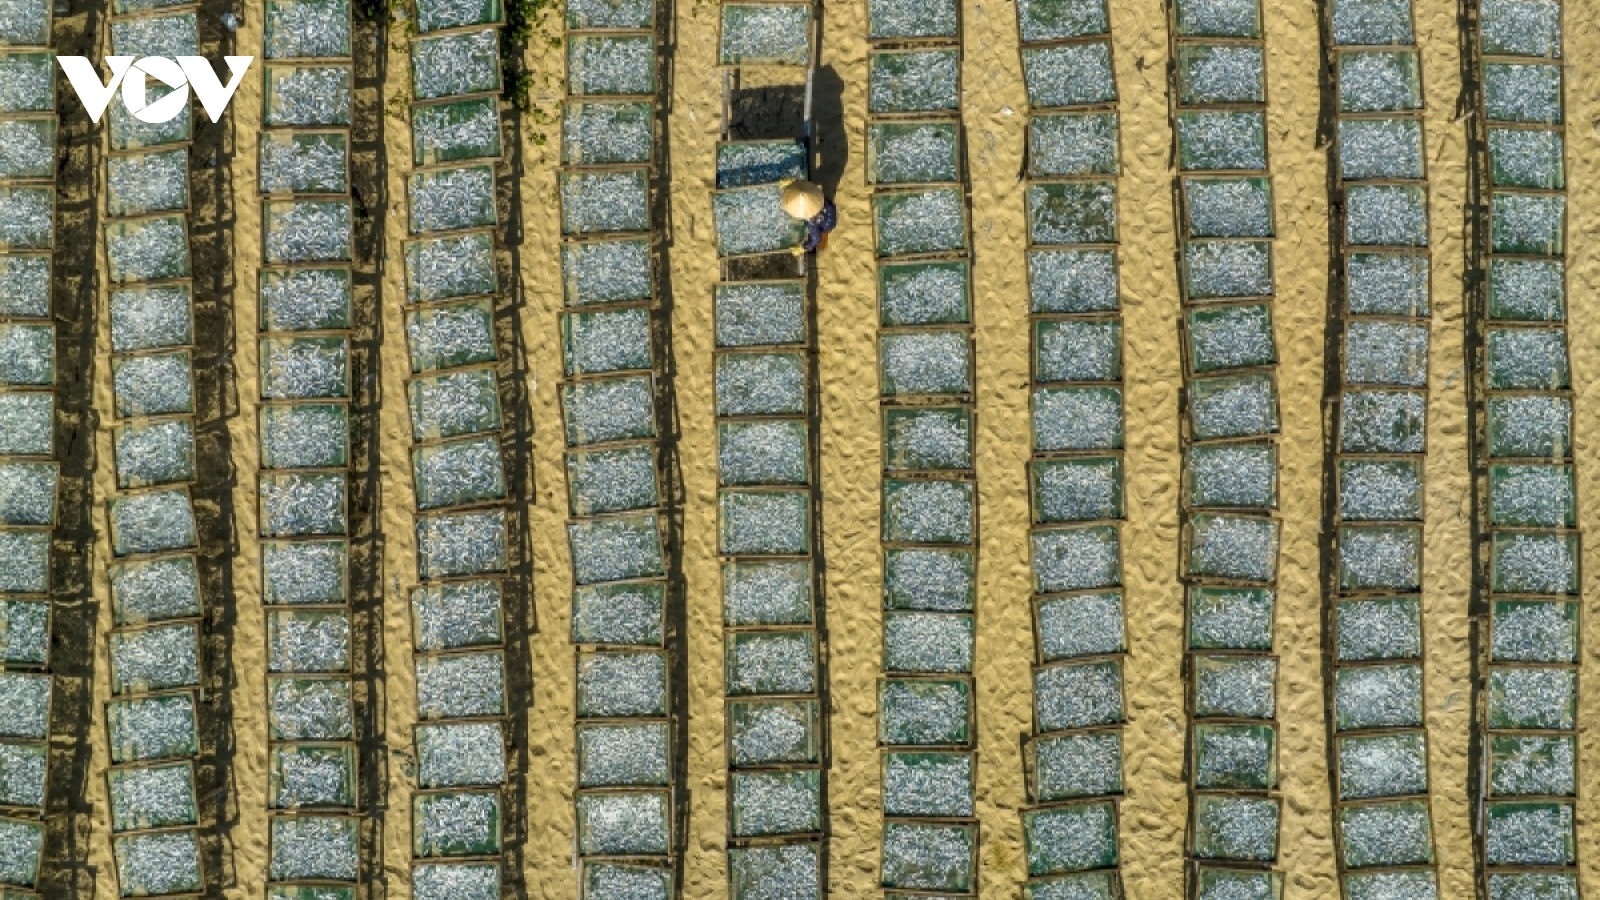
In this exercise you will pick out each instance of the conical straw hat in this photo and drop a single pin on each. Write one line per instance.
(802, 199)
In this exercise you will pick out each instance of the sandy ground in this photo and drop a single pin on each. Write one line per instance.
(249, 778)
(1155, 806)
(1583, 279)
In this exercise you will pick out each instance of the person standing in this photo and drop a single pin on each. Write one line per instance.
(805, 201)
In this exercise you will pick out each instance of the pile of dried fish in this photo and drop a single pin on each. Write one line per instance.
(308, 231)
(615, 549)
(148, 182)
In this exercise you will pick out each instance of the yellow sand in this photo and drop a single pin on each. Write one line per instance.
(1582, 35)
(248, 780)
(104, 484)
(1155, 808)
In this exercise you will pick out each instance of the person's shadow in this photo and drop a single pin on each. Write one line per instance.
(830, 143)
(774, 112)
